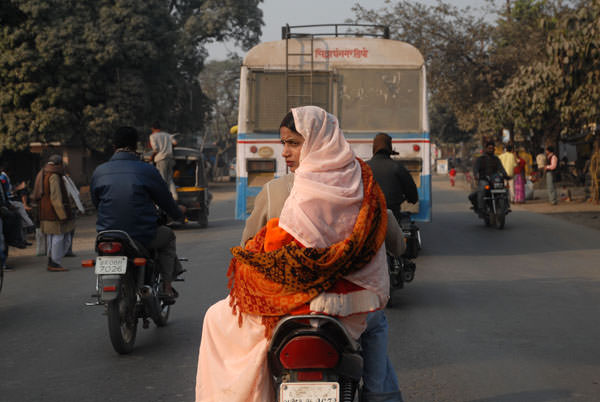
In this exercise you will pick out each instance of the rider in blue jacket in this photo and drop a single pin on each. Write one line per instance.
(125, 191)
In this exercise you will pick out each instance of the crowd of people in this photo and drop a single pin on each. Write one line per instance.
(50, 209)
(521, 170)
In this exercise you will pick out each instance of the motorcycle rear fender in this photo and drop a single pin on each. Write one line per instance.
(350, 364)
(109, 282)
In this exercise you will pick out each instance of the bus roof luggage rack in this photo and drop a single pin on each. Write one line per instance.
(367, 30)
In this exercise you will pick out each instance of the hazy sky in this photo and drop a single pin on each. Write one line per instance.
(276, 13)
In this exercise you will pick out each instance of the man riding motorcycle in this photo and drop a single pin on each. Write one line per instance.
(485, 166)
(395, 181)
(125, 191)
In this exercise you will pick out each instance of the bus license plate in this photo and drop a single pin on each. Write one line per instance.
(309, 392)
(111, 265)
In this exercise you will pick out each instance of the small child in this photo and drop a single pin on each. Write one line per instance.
(452, 175)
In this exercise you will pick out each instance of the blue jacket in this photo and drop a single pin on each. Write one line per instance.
(124, 191)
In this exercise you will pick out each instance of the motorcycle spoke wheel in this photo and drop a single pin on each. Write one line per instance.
(122, 322)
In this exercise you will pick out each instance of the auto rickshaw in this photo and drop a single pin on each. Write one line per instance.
(190, 180)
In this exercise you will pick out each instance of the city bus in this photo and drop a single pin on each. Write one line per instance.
(371, 83)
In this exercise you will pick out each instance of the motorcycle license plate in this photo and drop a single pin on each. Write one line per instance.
(111, 265)
(309, 392)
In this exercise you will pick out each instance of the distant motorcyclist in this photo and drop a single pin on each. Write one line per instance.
(394, 179)
(485, 166)
(125, 190)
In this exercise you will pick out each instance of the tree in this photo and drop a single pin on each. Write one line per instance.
(559, 95)
(220, 82)
(72, 71)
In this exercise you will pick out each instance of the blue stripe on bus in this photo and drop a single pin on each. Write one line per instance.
(275, 136)
(244, 191)
(424, 214)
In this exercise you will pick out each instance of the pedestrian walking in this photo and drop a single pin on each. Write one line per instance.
(452, 175)
(162, 155)
(509, 161)
(56, 216)
(550, 172)
(519, 180)
(541, 161)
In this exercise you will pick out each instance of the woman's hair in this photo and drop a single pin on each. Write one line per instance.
(288, 121)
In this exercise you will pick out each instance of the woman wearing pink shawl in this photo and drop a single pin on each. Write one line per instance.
(320, 211)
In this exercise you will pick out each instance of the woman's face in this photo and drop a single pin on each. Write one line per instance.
(292, 145)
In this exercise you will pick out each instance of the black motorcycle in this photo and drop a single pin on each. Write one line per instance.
(128, 283)
(495, 202)
(313, 358)
(412, 234)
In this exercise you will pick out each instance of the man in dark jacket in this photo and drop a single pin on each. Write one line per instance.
(485, 166)
(125, 190)
(394, 179)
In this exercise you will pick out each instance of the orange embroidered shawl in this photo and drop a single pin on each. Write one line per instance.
(274, 283)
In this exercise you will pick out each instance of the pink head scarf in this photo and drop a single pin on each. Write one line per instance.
(327, 193)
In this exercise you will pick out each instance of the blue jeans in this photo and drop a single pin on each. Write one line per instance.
(379, 378)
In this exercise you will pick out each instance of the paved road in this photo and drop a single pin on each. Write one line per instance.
(491, 316)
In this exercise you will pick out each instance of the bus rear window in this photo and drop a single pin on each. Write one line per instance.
(380, 100)
(269, 97)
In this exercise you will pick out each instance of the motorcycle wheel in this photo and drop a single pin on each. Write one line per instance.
(163, 314)
(122, 321)
(201, 218)
(500, 220)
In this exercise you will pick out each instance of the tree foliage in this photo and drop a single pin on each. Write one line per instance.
(72, 70)
(559, 95)
(220, 82)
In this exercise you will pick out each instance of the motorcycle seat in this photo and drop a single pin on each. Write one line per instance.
(123, 237)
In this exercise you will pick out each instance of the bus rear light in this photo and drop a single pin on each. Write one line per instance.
(112, 288)
(308, 352)
(253, 149)
(416, 148)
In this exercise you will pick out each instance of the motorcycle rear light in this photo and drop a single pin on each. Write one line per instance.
(310, 376)
(88, 263)
(110, 247)
(109, 288)
(139, 262)
(487, 187)
(306, 352)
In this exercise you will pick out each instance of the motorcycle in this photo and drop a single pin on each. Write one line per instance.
(495, 202)
(313, 358)
(128, 284)
(412, 234)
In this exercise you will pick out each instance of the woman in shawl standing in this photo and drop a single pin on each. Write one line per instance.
(333, 225)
